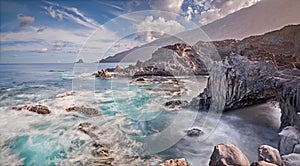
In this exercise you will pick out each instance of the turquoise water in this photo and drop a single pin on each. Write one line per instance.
(130, 114)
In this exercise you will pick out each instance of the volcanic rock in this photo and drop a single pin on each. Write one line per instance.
(227, 154)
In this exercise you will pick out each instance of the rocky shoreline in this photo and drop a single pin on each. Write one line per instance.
(253, 71)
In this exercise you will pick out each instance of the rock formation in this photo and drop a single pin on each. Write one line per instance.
(84, 110)
(175, 162)
(227, 154)
(39, 109)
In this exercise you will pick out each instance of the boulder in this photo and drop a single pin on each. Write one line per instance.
(292, 159)
(262, 163)
(39, 109)
(289, 138)
(194, 132)
(297, 149)
(269, 154)
(227, 154)
(175, 162)
(175, 103)
(84, 110)
(103, 73)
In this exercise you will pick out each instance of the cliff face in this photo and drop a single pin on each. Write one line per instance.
(289, 97)
(266, 68)
(246, 82)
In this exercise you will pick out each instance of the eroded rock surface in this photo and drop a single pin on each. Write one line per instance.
(269, 154)
(39, 109)
(175, 162)
(84, 110)
(227, 154)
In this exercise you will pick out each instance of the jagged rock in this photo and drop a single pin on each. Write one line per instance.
(65, 95)
(85, 110)
(227, 154)
(175, 162)
(289, 137)
(194, 132)
(292, 159)
(152, 71)
(245, 83)
(262, 163)
(88, 129)
(297, 149)
(39, 109)
(269, 154)
(289, 97)
(140, 79)
(175, 103)
(103, 73)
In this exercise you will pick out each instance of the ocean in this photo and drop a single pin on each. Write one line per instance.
(139, 129)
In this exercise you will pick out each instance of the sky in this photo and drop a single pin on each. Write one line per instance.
(61, 31)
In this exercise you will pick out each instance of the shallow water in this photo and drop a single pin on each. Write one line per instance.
(139, 129)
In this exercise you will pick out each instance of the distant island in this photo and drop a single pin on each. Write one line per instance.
(79, 61)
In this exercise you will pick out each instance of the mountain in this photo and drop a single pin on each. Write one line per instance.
(264, 16)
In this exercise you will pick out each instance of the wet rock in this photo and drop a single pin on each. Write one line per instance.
(140, 79)
(175, 162)
(88, 129)
(227, 154)
(289, 138)
(262, 163)
(84, 110)
(269, 154)
(103, 73)
(175, 103)
(152, 71)
(39, 109)
(292, 159)
(101, 152)
(65, 95)
(194, 132)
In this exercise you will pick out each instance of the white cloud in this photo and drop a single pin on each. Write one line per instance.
(189, 12)
(151, 29)
(25, 20)
(167, 5)
(71, 13)
(43, 50)
(220, 8)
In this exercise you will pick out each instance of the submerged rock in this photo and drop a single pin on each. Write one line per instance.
(227, 154)
(194, 132)
(39, 109)
(103, 73)
(175, 162)
(175, 103)
(85, 110)
(269, 154)
(65, 94)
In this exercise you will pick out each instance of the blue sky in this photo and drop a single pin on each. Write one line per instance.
(58, 31)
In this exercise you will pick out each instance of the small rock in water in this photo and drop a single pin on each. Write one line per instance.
(40, 109)
(194, 132)
(85, 110)
(65, 95)
(141, 79)
(175, 162)
(175, 103)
